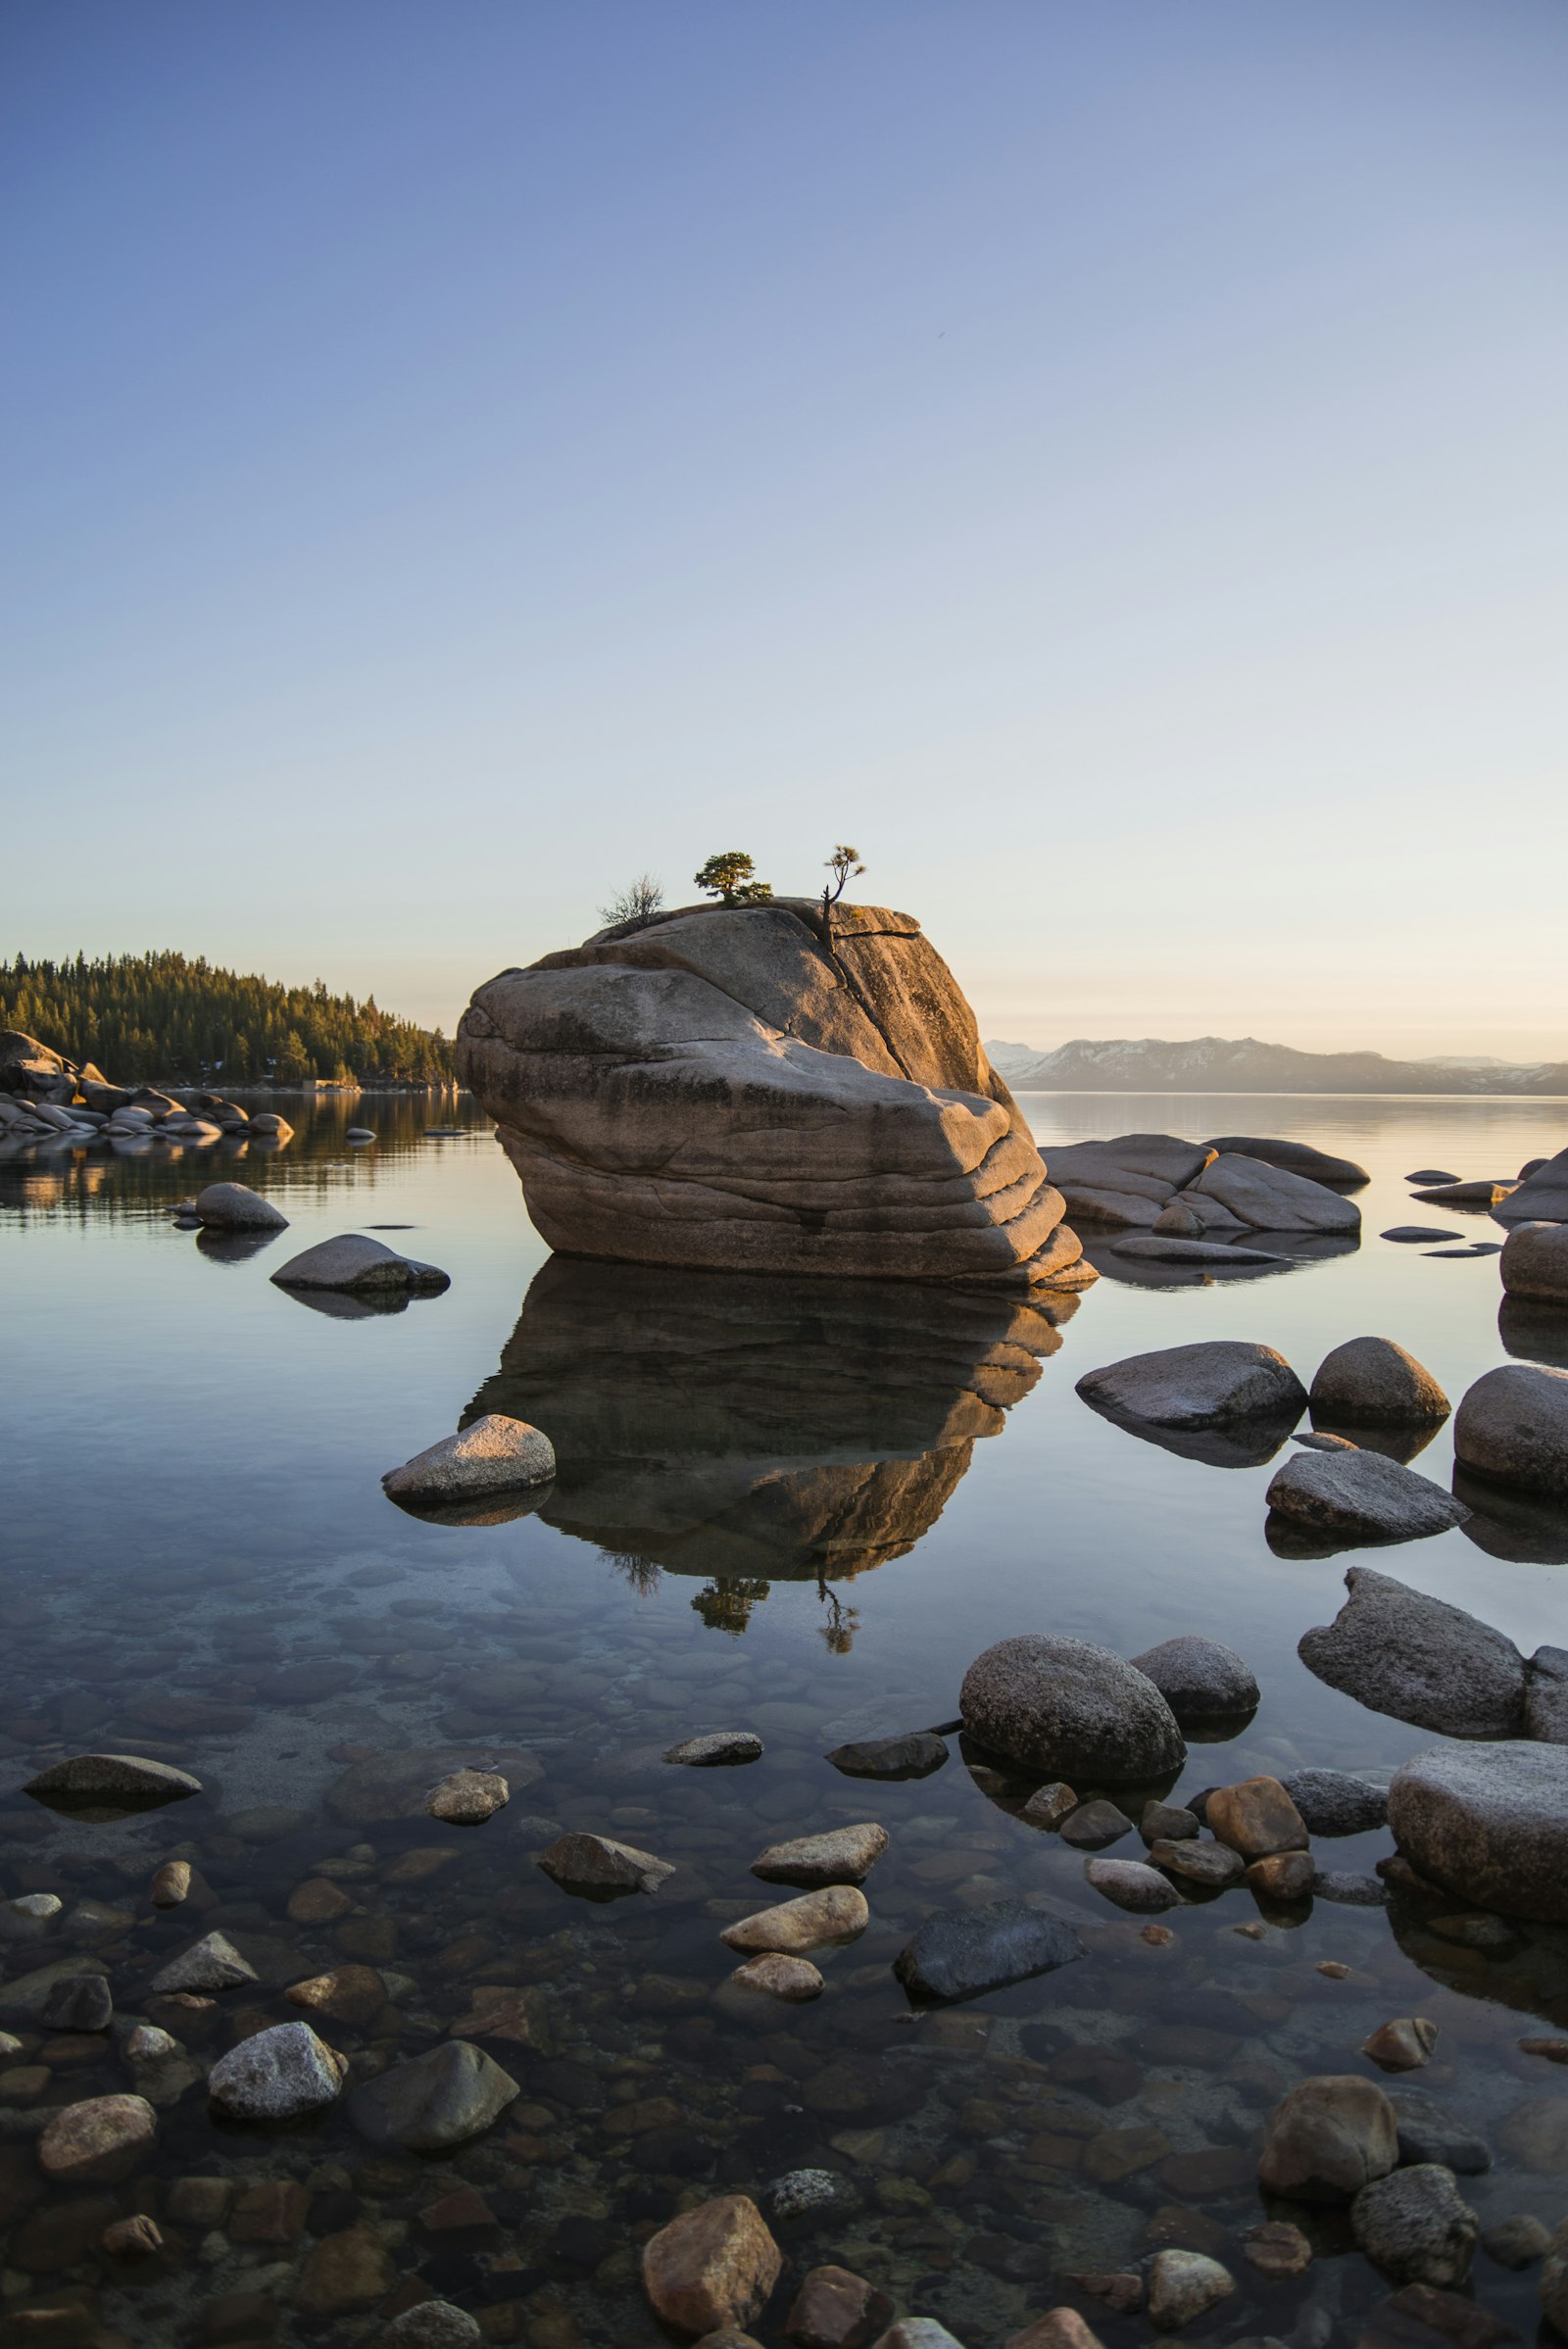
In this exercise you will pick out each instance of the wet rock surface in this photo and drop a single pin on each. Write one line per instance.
(961, 1952)
(1490, 1824)
(1212, 1384)
(1361, 1497)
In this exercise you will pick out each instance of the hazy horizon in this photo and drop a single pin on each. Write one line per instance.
(1107, 464)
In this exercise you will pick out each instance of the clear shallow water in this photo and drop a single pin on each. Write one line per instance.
(802, 1511)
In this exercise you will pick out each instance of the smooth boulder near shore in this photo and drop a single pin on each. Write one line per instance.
(1271, 1199)
(353, 1260)
(1210, 1384)
(1418, 1659)
(1337, 1802)
(235, 1208)
(767, 1088)
(128, 1777)
(1295, 1157)
(492, 1454)
(1512, 1428)
(1068, 1708)
(1362, 1496)
(1488, 1823)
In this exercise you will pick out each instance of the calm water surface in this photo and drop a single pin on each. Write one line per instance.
(795, 1509)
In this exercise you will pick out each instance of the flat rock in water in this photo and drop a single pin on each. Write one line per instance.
(1490, 1825)
(1464, 1194)
(1363, 1497)
(816, 1920)
(98, 2141)
(1512, 1427)
(1410, 1233)
(26, 1994)
(437, 2099)
(1296, 1157)
(717, 1750)
(1271, 1199)
(1336, 1803)
(1132, 1884)
(235, 1208)
(1427, 2132)
(1201, 1680)
(839, 1855)
(278, 2075)
(354, 1260)
(1419, 1659)
(211, 1964)
(397, 1786)
(1432, 1174)
(492, 1454)
(777, 1975)
(467, 1798)
(915, 1755)
(1210, 1383)
(1067, 1707)
(959, 1953)
(1373, 1381)
(1164, 1247)
(130, 1777)
(1093, 1824)
(584, 1862)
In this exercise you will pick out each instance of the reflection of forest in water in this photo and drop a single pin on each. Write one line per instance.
(749, 1430)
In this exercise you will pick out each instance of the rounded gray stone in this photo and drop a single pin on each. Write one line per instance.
(1512, 1426)
(1489, 1823)
(1336, 1803)
(437, 2099)
(278, 2075)
(433, 2324)
(1068, 1708)
(234, 1206)
(1535, 1262)
(1361, 1496)
(492, 1454)
(1374, 1381)
(1417, 2227)
(1201, 1680)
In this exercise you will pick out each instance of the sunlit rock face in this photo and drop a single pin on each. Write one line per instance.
(715, 1424)
(748, 1089)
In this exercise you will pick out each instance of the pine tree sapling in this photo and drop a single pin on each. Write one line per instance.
(640, 900)
(728, 876)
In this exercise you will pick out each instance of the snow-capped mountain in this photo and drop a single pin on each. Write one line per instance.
(1244, 1064)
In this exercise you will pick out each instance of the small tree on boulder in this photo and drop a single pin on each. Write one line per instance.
(728, 876)
(639, 901)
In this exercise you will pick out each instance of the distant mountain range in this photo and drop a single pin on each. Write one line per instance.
(1242, 1064)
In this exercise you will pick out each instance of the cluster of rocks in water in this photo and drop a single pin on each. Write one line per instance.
(48, 1103)
(1235, 1402)
(1212, 1205)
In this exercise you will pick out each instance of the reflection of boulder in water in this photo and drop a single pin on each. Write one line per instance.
(1399, 1444)
(1527, 1971)
(1533, 1332)
(1529, 1528)
(754, 1427)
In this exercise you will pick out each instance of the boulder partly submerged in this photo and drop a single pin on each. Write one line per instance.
(491, 1456)
(754, 1088)
(1295, 1157)
(1068, 1708)
(121, 1778)
(1419, 1659)
(1512, 1427)
(1360, 1497)
(1535, 1262)
(1488, 1823)
(1214, 1382)
(354, 1260)
(1543, 1195)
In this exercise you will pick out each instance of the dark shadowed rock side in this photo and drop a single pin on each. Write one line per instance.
(715, 1424)
(737, 1088)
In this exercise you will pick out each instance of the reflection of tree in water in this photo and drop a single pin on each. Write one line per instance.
(841, 1623)
(725, 1604)
(644, 1573)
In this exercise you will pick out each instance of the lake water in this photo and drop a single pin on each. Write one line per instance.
(798, 1510)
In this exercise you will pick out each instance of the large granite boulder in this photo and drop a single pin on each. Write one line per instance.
(1488, 1823)
(1128, 1180)
(1214, 1381)
(1372, 1382)
(1296, 1157)
(751, 1088)
(1271, 1199)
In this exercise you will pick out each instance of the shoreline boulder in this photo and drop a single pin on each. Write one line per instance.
(1373, 1381)
(1201, 1680)
(1418, 1659)
(235, 1208)
(353, 1260)
(492, 1454)
(1362, 1496)
(759, 1088)
(1534, 1262)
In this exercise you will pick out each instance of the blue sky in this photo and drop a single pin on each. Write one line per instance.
(1105, 462)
